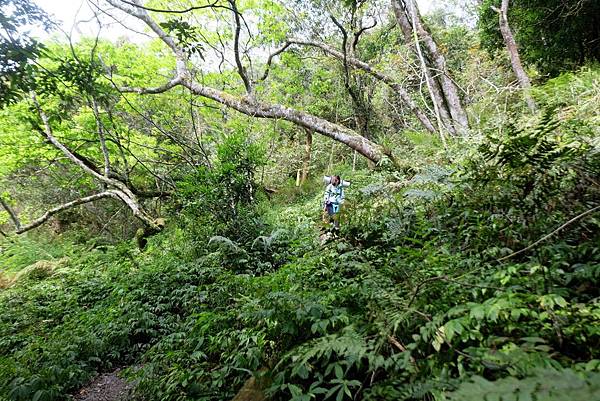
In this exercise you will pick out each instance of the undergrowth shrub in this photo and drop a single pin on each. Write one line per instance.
(527, 181)
(412, 301)
(221, 199)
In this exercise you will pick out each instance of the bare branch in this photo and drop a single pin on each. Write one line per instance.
(102, 137)
(236, 47)
(270, 60)
(388, 80)
(41, 220)
(93, 5)
(11, 213)
(153, 90)
(344, 52)
(189, 158)
(357, 101)
(545, 237)
(70, 155)
(445, 91)
(194, 115)
(140, 12)
(48, 133)
(360, 32)
(184, 11)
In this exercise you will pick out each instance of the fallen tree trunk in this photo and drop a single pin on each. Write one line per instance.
(248, 104)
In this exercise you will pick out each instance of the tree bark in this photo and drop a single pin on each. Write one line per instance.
(101, 137)
(251, 107)
(254, 108)
(360, 104)
(436, 106)
(20, 229)
(11, 213)
(435, 91)
(41, 220)
(513, 52)
(307, 157)
(402, 11)
(236, 47)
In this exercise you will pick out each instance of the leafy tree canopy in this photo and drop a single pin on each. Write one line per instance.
(18, 50)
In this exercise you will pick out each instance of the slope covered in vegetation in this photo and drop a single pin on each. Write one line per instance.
(425, 294)
(161, 200)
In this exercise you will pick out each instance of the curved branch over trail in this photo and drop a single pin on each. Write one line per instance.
(120, 190)
(248, 105)
(251, 107)
(388, 80)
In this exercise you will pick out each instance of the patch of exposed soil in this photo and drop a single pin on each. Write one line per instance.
(106, 387)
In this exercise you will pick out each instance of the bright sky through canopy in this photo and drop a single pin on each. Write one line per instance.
(77, 16)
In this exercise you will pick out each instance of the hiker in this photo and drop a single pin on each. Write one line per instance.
(333, 199)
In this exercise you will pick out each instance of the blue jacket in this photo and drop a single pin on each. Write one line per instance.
(334, 195)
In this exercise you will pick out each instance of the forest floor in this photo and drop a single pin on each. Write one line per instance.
(105, 387)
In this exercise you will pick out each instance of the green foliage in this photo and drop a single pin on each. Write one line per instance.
(548, 166)
(547, 385)
(18, 50)
(224, 194)
(187, 35)
(96, 333)
(555, 36)
(406, 305)
(26, 250)
(409, 301)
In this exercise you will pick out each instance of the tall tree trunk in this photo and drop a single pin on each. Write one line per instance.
(405, 11)
(428, 82)
(513, 52)
(307, 156)
(435, 91)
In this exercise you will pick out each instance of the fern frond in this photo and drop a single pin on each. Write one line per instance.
(225, 243)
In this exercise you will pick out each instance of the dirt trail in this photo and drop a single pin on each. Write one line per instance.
(106, 387)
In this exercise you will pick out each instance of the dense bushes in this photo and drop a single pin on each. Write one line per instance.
(422, 296)
(221, 199)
